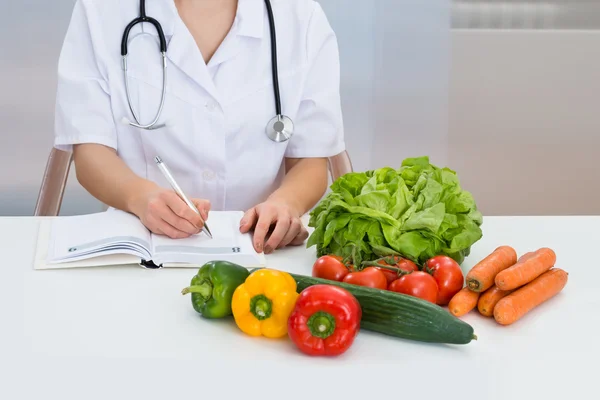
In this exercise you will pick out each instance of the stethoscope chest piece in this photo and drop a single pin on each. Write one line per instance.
(280, 128)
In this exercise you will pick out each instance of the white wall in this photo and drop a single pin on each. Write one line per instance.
(524, 127)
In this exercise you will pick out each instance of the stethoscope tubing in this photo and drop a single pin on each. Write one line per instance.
(279, 120)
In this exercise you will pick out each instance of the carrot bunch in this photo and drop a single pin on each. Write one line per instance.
(506, 288)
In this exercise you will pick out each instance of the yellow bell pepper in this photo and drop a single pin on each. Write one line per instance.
(263, 303)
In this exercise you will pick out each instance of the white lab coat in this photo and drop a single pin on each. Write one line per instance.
(216, 114)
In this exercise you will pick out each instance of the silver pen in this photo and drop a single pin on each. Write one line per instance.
(163, 168)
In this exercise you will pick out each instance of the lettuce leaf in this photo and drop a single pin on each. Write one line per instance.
(417, 211)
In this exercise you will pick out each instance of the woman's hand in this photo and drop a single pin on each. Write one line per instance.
(287, 228)
(163, 212)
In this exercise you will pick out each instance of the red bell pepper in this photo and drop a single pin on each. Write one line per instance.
(324, 321)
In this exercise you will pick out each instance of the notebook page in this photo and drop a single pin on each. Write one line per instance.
(227, 242)
(84, 236)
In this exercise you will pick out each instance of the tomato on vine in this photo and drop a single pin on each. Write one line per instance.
(418, 284)
(448, 276)
(330, 267)
(369, 277)
(403, 264)
(392, 266)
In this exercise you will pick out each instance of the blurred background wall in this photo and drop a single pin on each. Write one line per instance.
(524, 107)
(504, 92)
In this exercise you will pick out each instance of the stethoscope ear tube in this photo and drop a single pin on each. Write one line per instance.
(161, 35)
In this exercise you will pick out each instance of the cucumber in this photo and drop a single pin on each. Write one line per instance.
(400, 315)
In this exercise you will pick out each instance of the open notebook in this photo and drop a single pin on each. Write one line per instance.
(115, 237)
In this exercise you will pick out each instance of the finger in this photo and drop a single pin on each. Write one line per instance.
(300, 238)
(248, 220)
(294, 230)
(157, 208)
(179, 223)
(180, 215)
(161, 227)
(265, 218)
(203, 206)
(281, 228)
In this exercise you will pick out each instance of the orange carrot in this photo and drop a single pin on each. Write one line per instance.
(489, 299)
(530, 267)
(526, 256)
(463, 302)
(481, 277)
(514, 306)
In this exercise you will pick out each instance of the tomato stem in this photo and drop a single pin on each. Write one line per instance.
(425, 268)
(399, 271)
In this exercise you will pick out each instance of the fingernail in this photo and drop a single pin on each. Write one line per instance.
(268, 249)
(258, 247)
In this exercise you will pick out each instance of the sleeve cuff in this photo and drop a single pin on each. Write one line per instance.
(316, 152)
(66, 143)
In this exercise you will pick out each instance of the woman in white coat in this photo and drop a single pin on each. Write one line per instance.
(218, 104)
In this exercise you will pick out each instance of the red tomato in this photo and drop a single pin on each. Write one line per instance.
(418, 284)
(447, 274)
(330, 267)
(369, 277)
(397, 262)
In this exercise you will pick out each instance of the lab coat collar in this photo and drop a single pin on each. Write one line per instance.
(249, 22)
(189, 62)
(251, 16)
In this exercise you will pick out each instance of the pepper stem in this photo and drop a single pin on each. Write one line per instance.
(321, 324)
(204, 289)
(261, 307)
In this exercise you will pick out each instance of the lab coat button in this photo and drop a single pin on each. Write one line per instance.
(211, 106)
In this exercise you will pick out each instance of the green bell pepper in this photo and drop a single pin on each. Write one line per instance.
(213, 286)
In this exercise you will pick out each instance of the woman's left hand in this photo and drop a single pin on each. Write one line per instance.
(284, 220)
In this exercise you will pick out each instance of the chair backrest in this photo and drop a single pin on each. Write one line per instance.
(58, 165)
(339, 165)
(53, 184)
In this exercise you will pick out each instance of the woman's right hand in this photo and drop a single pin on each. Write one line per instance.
(163, 212)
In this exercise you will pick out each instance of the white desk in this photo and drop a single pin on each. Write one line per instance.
(128, 333)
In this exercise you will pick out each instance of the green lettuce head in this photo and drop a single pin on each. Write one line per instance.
(417, 211)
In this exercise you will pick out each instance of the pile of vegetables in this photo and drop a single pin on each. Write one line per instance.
(506, 288)
(321, 317)
(417, 211)
(389, 247)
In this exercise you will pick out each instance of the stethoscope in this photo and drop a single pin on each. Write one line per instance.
(279, 129)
